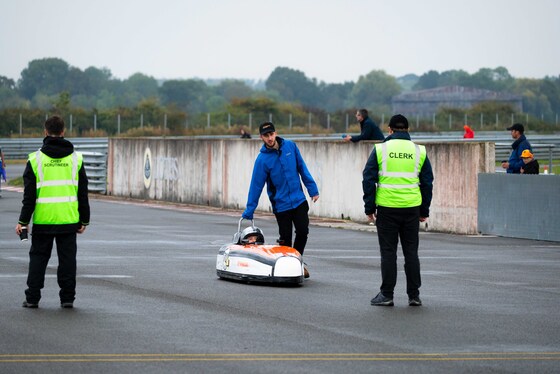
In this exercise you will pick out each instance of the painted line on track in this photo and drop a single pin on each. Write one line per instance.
(161, 357)
(104, 276)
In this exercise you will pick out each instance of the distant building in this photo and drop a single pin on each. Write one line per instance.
(425, 103)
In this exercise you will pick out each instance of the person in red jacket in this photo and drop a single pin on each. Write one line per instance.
(469, 133)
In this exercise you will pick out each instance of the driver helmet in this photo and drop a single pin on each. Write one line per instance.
(252, 235)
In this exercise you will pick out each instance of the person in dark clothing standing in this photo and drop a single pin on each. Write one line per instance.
(530, 165)
(397, 184)
(56, 195)
(280, 165)
(369, 130)
(514, 164)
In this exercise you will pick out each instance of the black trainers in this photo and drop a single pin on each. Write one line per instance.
(305, 271)
(30, 305)
(414, 301)
(382, 300)
(67, 304)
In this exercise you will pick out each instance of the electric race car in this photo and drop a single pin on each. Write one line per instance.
(247, 258)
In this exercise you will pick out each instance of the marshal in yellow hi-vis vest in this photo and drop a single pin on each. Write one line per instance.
(57, 188)
(400, 162)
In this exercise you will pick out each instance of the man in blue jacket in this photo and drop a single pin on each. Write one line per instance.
(515, 162)
(280, 165)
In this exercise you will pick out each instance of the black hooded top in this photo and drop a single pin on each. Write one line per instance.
(54, 147)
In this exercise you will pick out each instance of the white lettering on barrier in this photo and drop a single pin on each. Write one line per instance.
(166, 168)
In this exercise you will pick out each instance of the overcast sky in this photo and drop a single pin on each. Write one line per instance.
(330, 40)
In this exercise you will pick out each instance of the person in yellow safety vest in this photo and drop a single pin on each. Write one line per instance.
(56, 195)
(397, 184)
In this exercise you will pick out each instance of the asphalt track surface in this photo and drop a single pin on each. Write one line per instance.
(149, 301)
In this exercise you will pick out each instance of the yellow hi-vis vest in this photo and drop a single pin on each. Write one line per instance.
(400, 162)
(57, 188)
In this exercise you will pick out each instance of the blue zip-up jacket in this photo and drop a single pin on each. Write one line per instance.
(280, 170)
(515, 161)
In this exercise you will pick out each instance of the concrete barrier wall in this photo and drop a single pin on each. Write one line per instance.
(456, 167)
(519, 206)
(218, 173)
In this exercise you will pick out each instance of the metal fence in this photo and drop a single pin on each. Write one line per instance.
(542, 152)
(19, 148)
(94, 151)
(95, 164)
(546, 148)
(175, 122)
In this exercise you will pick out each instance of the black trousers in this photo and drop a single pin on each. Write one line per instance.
(392, 224)
(299, 218)
(39, 255)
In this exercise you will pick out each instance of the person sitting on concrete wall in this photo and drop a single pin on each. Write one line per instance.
(245, 134)
(369, 130)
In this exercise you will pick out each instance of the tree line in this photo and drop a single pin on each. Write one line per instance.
(53, 85)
